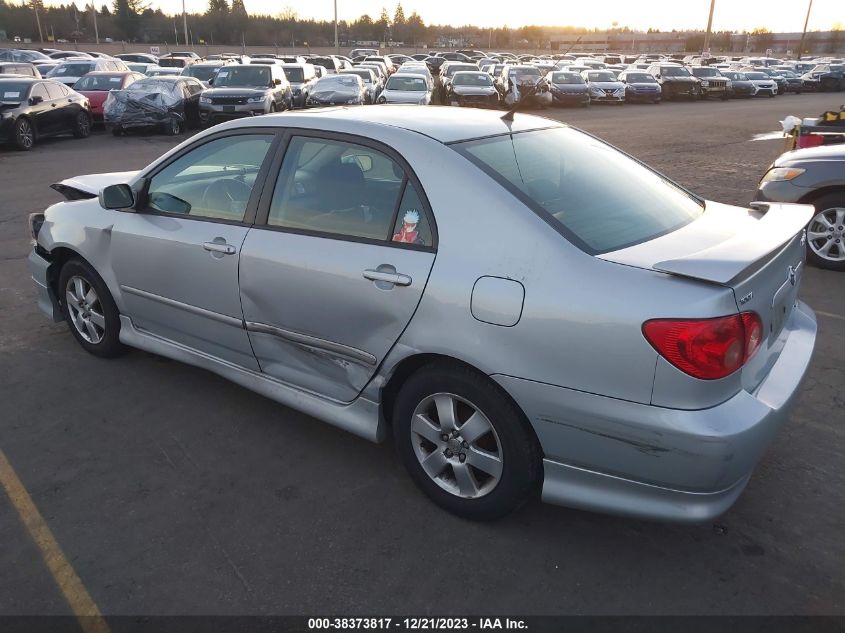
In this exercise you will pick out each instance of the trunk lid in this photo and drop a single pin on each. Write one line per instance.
(758, 253)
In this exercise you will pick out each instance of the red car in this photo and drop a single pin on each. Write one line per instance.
(96, 85)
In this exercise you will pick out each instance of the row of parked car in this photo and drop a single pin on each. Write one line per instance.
(67, 91)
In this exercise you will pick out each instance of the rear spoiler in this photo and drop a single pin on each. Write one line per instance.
(737, 256)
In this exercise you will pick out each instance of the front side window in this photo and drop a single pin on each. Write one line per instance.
(600, 199)
(344, 189)
(215, 180)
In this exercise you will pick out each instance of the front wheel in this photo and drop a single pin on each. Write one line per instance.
(82, 125)
(24, 134)
(89, 309)
(826, 233)
(464, 443)
(173, 126)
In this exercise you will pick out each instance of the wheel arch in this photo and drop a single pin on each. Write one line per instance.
(814, 195)
(408, 366)
(59, 256)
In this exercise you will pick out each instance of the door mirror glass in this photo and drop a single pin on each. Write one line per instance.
(36, 100)
(117, 197)
(277, 82)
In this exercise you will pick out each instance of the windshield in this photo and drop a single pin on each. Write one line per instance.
(98, 82)
(408, 84)
(523, 74)
(13, 91)
(453, 68)
(705, 72)
(338, 82)
(247, 76)
(363, 74)
(564, 175)
(325, 62)
(736, 76)
(600, 76)
(674, 71)
(757, 76)
(71, 70)
(567, 78)
(472, 79)
(295, 75)
(152, 85)
(203, 73)
(639, 78)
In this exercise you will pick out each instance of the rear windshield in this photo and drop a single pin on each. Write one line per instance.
(98, 82)
(597, 197)
(72, 70)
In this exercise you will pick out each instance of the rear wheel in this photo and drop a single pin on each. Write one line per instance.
(24, 134)
(464, 443)
(89, 309)
(826, 233)
(82, 125)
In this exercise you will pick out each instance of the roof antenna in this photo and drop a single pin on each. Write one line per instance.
(526, 91)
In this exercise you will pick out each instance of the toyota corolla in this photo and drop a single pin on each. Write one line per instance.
(566, 320)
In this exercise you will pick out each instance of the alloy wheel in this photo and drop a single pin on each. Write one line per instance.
(83, 125)
(86, 312)
(456, 445)
(26, 137)
(826, 234)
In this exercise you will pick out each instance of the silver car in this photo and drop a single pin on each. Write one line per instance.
(403, 87)
(560, 318)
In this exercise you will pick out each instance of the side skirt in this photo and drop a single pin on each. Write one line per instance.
(361, 417)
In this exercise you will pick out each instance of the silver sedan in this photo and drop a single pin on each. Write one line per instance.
(524, 307)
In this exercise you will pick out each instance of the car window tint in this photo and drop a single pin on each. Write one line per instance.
(214, 180)
(411, 223)
(336, 187)
(566, 176)
(54, 90)
(38, 90)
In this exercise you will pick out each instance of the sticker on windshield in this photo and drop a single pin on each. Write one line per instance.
(114, 80)
(11, 95)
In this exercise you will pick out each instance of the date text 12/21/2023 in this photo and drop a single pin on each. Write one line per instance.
(416, 624)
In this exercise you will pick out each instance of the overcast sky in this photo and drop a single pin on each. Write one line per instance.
(777, 15)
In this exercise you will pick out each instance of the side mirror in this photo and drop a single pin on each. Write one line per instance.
(117, 197)
(277, 82)
(36, 100)
(211, 81)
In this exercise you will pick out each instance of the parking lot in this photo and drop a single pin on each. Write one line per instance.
(172, 491)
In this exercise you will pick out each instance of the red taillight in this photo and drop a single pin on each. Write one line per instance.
(706, 348)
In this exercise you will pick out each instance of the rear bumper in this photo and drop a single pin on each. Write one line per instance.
(632, 459)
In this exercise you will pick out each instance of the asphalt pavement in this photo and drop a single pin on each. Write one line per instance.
(172, 491)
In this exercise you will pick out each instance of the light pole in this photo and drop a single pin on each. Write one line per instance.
(336, 41)
(96, 31)
(38, 22)
(185, 22)
(804, 33)
(709, 26)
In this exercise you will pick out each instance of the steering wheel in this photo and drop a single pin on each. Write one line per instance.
(228, 195)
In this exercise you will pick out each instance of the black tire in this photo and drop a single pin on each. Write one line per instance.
(117, 131)
(830, 201)
(82, 125)
(109, 346)
(272, 107)
(172, 127)
(24, 134)
(521, 460)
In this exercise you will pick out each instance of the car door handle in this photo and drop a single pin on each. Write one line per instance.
(216, 247)
(397, 279)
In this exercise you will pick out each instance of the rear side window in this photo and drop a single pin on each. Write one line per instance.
(597, 197)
